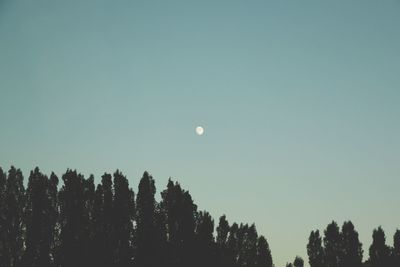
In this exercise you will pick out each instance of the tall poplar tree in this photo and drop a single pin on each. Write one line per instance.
(39, 221)
(351, 248)
(379, 252)
(14, 202)
(396, 249)
(315, 250)
(148, 251)
(332, 245)
(73, 221)
(264, 257)
(124, 209)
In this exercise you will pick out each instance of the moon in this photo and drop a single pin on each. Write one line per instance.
(199, 130)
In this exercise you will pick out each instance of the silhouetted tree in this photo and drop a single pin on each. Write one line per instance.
(73, 221)
(298, 262)
(222, 240)
(264, 258)
(379, 252)
(205, 240)
(88, 199)
(3, 232)
(84, 225)
(54, 217)
(40, 220)
(332, 245)
(247, 245)
(396, 249)
(351, 248)
(97, 238)
(233, 245)
(124, 211)
(315, 250)
(289, 265)
(180, 213)
(108, 220)
(12, 225)
(147, 246)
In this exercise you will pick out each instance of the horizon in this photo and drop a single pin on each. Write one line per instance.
(299, 102)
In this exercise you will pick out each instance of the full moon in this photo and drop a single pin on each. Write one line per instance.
(199, 130)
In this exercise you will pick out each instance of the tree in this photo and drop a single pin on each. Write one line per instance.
(233, 245)
(124, 210)
(3, 232)
(180, 212)
(147, 246)
(315, 250)
(396, 249)
(379, 252)
(73, 221)
(12, 227)
(205, 240)
(40, 220)
(264, 258)
(54, 216)
(332, 245)
(222, 239)
(97, 239)
(351, 248)
(92, 251)
(298, 262)
(108, 220)
(222, 231)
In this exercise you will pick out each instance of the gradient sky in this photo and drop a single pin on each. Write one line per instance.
(300, 101)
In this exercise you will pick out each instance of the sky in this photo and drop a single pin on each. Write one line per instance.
(299, 101)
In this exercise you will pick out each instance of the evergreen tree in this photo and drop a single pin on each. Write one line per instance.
(12, 227)
(351, 248)
(264, 258)
(124, 208)
(40, 221)
(332, 245)
(315, 250)
(379, 252)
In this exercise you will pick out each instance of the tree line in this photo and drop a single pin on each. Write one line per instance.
(342, 248)
(78, 224)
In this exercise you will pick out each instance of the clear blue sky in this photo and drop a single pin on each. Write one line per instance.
(300, 101)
